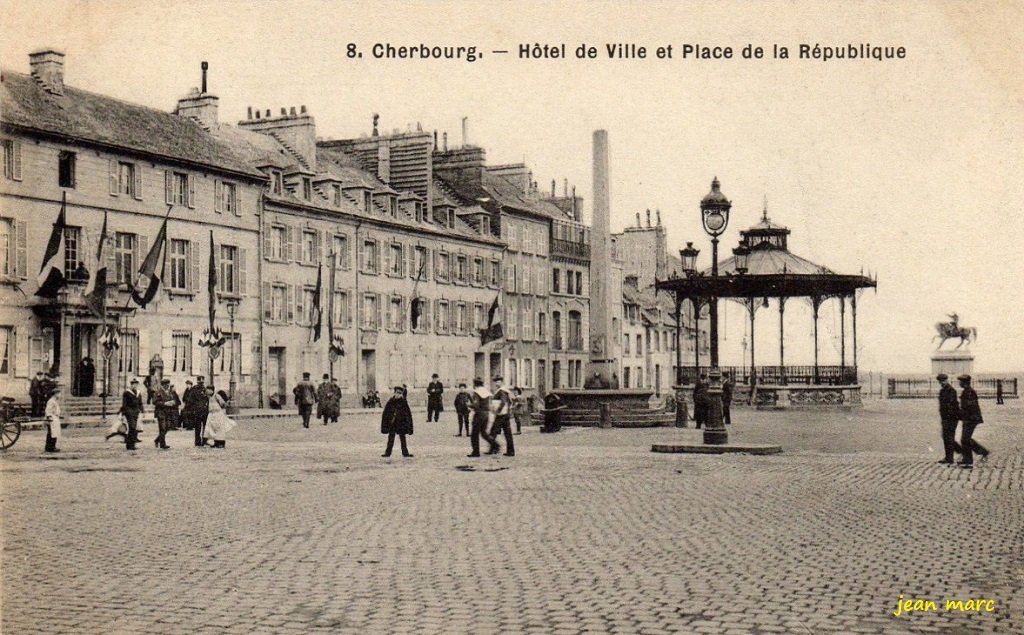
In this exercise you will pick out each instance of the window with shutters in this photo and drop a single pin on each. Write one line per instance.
(421, 264)
(542, 319)
(422, 322)
(7, 247)
(527, 377)
(625, 344)
(478, 271)
(126, 178)
(278, 243)
(179, 188)
(370, 259)
(443, 267)
(579, 283)
(225, 198)
(178, 264)
(479, 317)
(227, 278)
(66, 169)
(575, 331)
(279, 303)
(341, 255)
(128, 357)
(124, 257)
(12, 159)
(639, 345)
(526, 319)
(396, 260)
(309, 250)
(181, 352)
(461, 315)
(370, 312)
(6, 357)
(342, 310)
(222, 365)
(443, 317)
(306, 306)
(396, 314)
(510, 319)
(556, 281)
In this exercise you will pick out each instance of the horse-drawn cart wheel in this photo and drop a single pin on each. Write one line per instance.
(10, 419)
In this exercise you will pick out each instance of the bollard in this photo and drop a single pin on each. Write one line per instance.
(605, 420)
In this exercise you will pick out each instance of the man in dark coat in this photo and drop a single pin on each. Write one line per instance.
(553, 408)
(434, 403)
(131, 408)
(480, 403)
(970, 414)
(187, 417)
(462, 409)
(949, 416)
(305, 398)
(502, 418)
(726, 399)
(35, 391)
(198, 404)
(397, 419)
(164, 405)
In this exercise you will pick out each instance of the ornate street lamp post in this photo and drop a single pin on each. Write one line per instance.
(688, 257)
(714, 209)
(232, 404)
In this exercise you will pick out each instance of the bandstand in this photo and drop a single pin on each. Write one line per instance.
(762, 270)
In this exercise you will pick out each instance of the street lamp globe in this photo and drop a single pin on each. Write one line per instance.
(714, 209)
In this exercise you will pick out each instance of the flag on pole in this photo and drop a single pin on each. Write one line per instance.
(315, 315)
(336, 344)
(211, 334)
(95, 294)
(51, 274)
(416, 306)
(493, 330)
(152, 271)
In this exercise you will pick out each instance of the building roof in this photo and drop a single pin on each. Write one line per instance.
(89, 117)
(772, 261)
(494, 190)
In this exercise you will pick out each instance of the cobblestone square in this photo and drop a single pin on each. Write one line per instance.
(296, 531)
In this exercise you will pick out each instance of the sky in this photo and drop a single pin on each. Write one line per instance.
(910, 169)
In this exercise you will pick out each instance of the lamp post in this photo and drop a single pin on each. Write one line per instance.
(688, 257)
(232, 404)
(714, 208)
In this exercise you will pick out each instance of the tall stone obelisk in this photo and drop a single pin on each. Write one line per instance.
(602, 360)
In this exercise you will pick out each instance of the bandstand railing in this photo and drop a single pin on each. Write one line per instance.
(782, 375)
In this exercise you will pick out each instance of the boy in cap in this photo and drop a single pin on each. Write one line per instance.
(970, 414)
(949, 415)
(396, 420)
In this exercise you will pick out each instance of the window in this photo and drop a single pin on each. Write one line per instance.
(639, 345)
(527, 378)
(277, 182)
(393, 206)
(124, 257)
(7, 246)
(309, 244)
(341, 256)
(366, 201)
(225, 198)
(443, 317)
(625, 377)
(421, 264)
(556, 374)
(336, 194)
(128, 358)
(127, 179)
(556, 330)
(369, 264)
(443, 266)
(222, 365)
(307, 188)
(73, 249)
(575, 331)
(639, 377)
(461, 315)
(526, 318)
(342, 311)
(556, 281)
(66, 169)
(278, 243)
(177, 252)
(423, 319)
(542, 319)
(625, 344)
(6, 344)
(279, 303)
(228, 274)
(12, 159)
(461, 271)
(579, 283)
(512, 376)
(478, 271)
(396, 314)
(181, 355)
(495, 274)
(370, 311)
(396, 259)
(177, 186)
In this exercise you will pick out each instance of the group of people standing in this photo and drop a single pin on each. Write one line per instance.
(952, 411)
(326, 397)
(702, 400)
(201, 408)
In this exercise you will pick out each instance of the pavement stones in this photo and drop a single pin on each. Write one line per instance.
(300, 531)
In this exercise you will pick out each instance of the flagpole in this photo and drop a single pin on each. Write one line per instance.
(330, 314)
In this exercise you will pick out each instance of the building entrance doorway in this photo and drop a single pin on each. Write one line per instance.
(277, 380)
(479, 365)
(83, 360)
(495, 368)
(368, 372)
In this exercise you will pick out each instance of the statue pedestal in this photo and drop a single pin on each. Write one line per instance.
(953, 363)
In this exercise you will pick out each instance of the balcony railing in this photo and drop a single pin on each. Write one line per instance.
(569, 249)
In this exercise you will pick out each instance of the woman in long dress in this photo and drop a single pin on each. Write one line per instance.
(218, 424)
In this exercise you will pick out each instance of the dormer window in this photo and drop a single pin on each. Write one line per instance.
(366, 201)
(277, 182)
(393, 206)
(485, 225)
(451, 218)
(336, 194)
(307, 188)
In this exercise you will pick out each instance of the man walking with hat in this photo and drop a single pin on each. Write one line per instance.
(949, 415)
(131, 408)
(970, 414)
(164, 404)
(305, 398)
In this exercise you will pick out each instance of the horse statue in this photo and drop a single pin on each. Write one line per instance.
(952, 329)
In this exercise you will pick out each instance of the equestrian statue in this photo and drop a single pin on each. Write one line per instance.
(952, 329)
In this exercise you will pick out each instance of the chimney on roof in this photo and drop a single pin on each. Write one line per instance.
(302, 109)
(444, 139)
(257, 114)
(384, 160)
(638, 219)
(648, 217)
(292, 111)
(48, 69)
(435, 139)
(632, 281)
(284, 111)
(552, 188)
(296, 132)
(198, 104)
(658, 212)
(376, 118)
(248, 113)
(577, 206)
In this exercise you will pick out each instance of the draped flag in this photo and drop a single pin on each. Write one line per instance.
(493, 330)
(95, 294)
(51, 274)
(315, 315)
(337, 344)
(212, 335)
(109, 339)
(152, 271)
(416, 306)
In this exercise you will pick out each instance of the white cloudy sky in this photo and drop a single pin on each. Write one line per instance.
(911, 169)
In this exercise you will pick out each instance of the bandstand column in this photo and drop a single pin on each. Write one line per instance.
(853, 308)
(815, 305)
(842, 336)
(696, 340)
(782, 339)
(753, 309)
